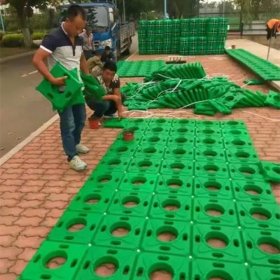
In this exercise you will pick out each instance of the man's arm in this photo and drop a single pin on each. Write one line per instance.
(83, 64)
(38, 61)
(116, 87)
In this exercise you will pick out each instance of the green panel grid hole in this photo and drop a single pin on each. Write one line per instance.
(54, 260)
(75, 225)
(218, 275)
(161, 271)
(216, 240)
(269, 246)
(166, 234)
(130, 201)
(120, 229)
(105, 267)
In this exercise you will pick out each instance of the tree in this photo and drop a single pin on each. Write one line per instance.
(250, 9)
(24, 10)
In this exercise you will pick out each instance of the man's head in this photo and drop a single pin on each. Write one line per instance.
(109, 71)
(88, 30)
(107, 49)
(75, 20)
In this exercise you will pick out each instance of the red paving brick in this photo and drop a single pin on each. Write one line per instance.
(37, 185)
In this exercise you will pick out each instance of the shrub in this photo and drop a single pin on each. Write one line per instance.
(38, 35)
(12, 40)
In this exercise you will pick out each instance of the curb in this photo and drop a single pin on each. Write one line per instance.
(27, 140)
(12, 57)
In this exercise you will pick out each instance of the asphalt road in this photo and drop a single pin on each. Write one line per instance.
(22, 109)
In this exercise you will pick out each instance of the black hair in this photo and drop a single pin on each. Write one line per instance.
(107, 48)
(74, 11)
(110, 65)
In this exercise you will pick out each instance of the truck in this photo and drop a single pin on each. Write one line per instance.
(108, 28)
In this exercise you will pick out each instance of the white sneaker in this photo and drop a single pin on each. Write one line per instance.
(82, 149)
(77, 164)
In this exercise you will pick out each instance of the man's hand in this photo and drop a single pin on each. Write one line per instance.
(58, 81)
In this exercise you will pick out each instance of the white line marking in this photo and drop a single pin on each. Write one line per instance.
(33, 72)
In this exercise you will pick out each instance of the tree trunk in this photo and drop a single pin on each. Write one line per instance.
(25, 29)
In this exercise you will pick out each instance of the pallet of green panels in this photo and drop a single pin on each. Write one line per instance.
(139, 68)
(265, 69)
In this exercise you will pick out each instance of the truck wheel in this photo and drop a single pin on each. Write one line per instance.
(127, 51)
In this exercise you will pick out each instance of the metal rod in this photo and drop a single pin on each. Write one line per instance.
(268, 49)
(165, 8)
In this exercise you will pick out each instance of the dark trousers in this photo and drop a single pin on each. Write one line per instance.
(101, 108)
(72, 121)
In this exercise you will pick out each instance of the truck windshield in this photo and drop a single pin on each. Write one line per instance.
(97, 16)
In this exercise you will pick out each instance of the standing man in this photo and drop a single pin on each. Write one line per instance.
(64, 45)
(88, 45)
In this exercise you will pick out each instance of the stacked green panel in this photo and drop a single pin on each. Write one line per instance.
(195, 36)
(264, 68)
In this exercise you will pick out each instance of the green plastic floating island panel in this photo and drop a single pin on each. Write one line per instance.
(60, 97)
(186, 198)
(187, 86)
(140, 68)
(265, 69)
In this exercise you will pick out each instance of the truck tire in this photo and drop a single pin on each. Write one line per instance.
(127, 51)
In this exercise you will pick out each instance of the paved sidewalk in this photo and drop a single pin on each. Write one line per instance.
(36, 183)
